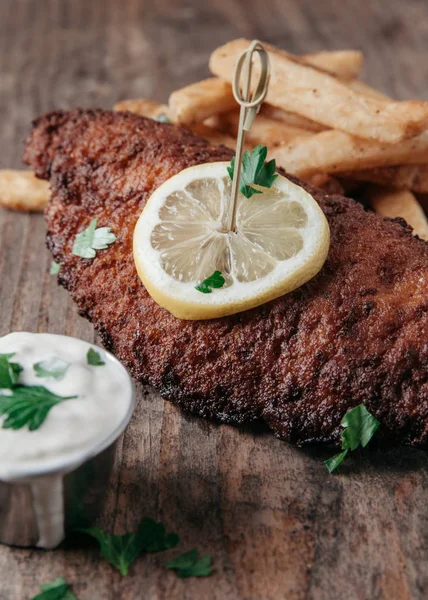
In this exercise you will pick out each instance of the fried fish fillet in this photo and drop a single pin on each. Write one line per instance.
(356, 333)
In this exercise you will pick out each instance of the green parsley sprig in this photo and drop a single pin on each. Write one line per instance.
(360, 426)
(155, 538)
(216, 280)
(122, 550)
(254, 171)
(28, 405)
(163, 118)
(94, 358)
(25, 405)
(52, 367)
(92, 239)
(9, 371)
(190, 565)
(58, 589)
(55, 268)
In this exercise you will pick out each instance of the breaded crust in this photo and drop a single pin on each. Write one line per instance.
(358, 332)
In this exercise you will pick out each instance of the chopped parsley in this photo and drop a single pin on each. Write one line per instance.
(28, 405)
(9, 371)
(216, 280)
(94, 358)
(254, 171)
(53, 367)
(58, 589)
(190, 565)
(155, 538)
(360, 426)
(92, 239)
(55, 268)
(122, 550)
(162, 118)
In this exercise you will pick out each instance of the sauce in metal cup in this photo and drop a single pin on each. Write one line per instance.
(55, 476)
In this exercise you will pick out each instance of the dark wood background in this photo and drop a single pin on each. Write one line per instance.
(276, 524)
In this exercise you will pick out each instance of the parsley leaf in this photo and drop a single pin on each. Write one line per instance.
(55, 268)
(28, 405)
(254, 171)
(9, 371)
(333, 462)
(55, 590)
(360, 426)
(189, 565)
(216, 280)
(155, 538)
(92, 239)
(162, 118)
(53, 367)
(119, 550)
(94, 358)
(122, 550)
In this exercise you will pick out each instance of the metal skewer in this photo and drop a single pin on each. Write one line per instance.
(249, 110)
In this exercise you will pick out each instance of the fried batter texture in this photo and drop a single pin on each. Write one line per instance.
(356, 333)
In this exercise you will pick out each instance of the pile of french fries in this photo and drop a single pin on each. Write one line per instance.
(320, 123)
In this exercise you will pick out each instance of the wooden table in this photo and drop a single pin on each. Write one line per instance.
(276, 524)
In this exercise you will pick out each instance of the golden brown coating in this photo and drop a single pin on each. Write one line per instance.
(358, 332)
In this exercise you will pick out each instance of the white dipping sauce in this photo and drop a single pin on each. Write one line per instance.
(73, 430)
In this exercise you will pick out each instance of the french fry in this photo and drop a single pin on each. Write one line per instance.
(22, 191)
(318, 96)
(284, 116)
(201, 100)
(215, 137)
(324, 182)
(153, 110)
(195, 103)
(345, 64)
(337, 152)
(399, 203)
(275, 115)
(144, 108)
(218, 122)
(423, 201)
(412, 177)
(363, 88)
(265, 130)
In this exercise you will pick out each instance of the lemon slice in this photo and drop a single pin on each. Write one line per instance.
(281, 240)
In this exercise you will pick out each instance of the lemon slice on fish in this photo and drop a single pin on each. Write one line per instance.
(192, 266)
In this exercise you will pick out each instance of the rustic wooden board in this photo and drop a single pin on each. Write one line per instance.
(277, 525)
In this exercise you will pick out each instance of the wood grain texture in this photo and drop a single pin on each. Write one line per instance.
(277, 525)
